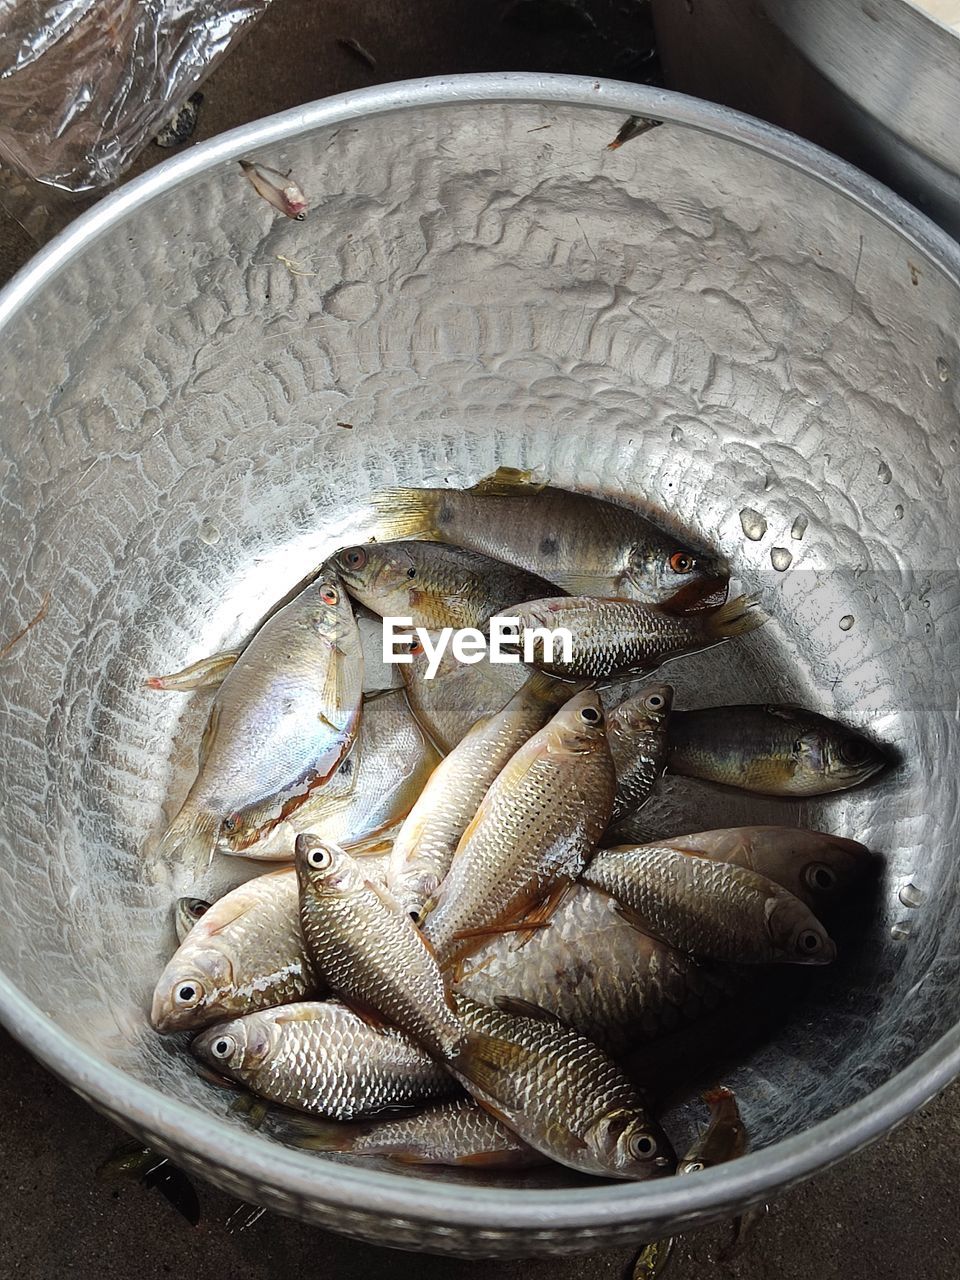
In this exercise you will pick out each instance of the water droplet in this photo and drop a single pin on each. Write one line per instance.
(799, 528)
(208, 532)
(780, 558)
(846, 622)
(753, 523)
(943, 369)
(898, 511)
(884, 472)
(901, 930)
(676, 434)
(910, 895)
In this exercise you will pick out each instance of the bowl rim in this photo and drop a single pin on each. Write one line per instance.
(505, 1211)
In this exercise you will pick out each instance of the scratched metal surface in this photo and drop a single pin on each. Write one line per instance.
(686, 325)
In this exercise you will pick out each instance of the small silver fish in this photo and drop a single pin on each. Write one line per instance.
(320, 1057)
(278, 189)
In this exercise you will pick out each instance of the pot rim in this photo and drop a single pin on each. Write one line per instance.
(504, 1210)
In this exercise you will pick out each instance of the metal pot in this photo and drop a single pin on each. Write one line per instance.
(717, 317)
(877, 82)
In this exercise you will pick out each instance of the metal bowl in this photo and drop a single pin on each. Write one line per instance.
(717, 320)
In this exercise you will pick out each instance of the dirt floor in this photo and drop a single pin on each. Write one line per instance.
(886, 1214)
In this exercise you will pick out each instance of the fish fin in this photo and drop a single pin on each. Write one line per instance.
(366, 1013)
(383, 894)
(314, 1134)
(490, 930)
(406, 513)
(544, 913)
(208, 673)
(635, 920)
(209, 734)
(505, 482)
(210, 1076)
(736, 618)
(486, 1061)
(285, 1016)
(190, 840)
(520, 1008)
(502, 1159)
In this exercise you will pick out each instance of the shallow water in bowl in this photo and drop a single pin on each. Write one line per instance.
(681, 325)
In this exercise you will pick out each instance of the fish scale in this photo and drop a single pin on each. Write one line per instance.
(598, 974)
(615, 636)
(426, 843)
(536, 826)
(322, 1058)
(369, 951)
(713, 909)
(560, 1092)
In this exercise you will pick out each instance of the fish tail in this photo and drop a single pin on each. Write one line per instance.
(190, 840)
(736, 618)
(406, 513)
(313, 1134)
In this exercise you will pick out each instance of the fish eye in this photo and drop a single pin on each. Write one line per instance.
(809, 942)
(854, 751)
(411, 572)
(329, 593)
(299, 217)
(416, 646)
(682, 562)
(354, 558)
(188, 994)
(590, 715)
(223, 1046)
(654, 702)
(695, 1166)
(642, 1146)
(819, 876)
(320, 858)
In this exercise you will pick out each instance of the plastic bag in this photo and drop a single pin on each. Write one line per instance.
(85, 83)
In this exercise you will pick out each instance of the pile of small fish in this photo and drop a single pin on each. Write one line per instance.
(465, 952)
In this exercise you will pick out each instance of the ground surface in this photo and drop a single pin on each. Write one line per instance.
(888, 1213)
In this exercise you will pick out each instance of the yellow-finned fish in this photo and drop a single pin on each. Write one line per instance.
(371, 792)
(586, 545)
(244, 953)
(321, 1058)
(435, 585)
(284, 717)
(637, 733)
(424, 848)
(777, 750)
(564, 1096)
(610, 637)
(715, 910)
(534, 831)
